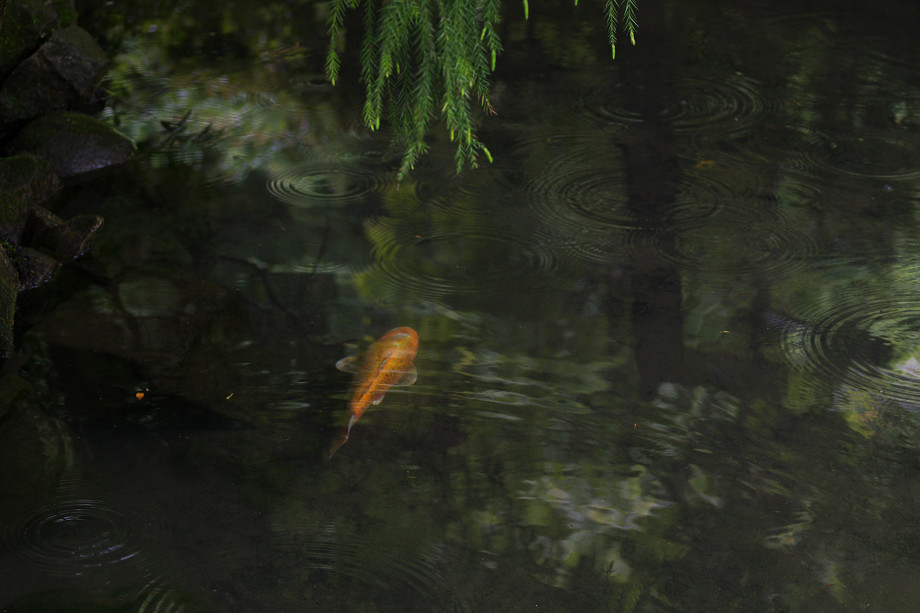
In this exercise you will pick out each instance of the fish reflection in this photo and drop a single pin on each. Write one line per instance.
(387, 362)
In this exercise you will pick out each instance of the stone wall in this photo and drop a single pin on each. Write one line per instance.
(50, 74)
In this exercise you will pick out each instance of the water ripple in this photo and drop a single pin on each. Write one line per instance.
(708, 108)
(511, 387)
(424, 570)
(864, 153)
(574, 185)
(438, 179)
(328, 182)
(74, 536)
(580, 196)
(571, 188)
(293, 248)
(441, 261)
(748, 236)
(868, 340)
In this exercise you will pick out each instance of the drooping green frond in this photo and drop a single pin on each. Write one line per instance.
(423, 93)
(613, 15)
(491, 15)
(369, 51)
(370, 65)
(335, 25)
(424, 57)
(629, 17)
(419, 53)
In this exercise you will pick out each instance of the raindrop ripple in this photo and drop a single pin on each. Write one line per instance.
(857, 342)
(424, 572)
(750, 236)
(874, 154)
(75, 536)
(443, 261)
(330, 182)
(714, 108)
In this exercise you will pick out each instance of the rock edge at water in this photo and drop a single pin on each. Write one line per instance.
(50, 71)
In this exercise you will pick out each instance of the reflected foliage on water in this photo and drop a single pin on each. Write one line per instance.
(667, 342)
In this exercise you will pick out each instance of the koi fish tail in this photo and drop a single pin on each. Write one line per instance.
(341, 441)
(343, 437)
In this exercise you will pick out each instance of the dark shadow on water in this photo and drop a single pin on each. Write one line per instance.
(652, 178)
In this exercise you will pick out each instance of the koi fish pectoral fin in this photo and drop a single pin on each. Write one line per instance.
(351, 363)
(409, 377)
(407, 374)
(377, 399)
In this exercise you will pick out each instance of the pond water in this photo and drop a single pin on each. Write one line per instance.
(669, 341)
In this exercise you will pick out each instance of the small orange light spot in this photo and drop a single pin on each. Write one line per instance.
(139, 395)
(705, 164)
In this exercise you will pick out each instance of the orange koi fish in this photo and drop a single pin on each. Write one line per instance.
(387, 362)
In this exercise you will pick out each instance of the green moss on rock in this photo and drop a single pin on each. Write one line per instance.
(25, 181)
(9, 290)
(26, 23)
(62, 74)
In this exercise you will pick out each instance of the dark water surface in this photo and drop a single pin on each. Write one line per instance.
(669, 353)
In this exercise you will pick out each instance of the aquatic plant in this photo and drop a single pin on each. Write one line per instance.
(422, 56)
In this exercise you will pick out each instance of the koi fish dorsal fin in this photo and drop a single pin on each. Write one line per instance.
(353, 363)
(406, 377)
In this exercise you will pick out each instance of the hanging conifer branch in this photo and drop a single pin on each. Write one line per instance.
(614, 14)
(419, 53)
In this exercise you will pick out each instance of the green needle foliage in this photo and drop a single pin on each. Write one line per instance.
(424, 57)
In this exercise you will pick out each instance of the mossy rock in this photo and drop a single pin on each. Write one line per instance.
(9, 290)
(76, 146)
(25, 181)
(25, 24)
(63, 73)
